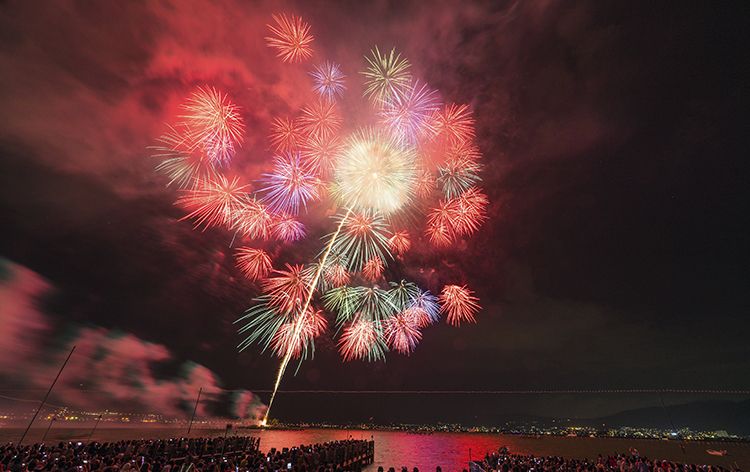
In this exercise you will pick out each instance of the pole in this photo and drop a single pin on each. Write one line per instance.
(190, 426)
(52, 420)
(44, 400)
(95, 426)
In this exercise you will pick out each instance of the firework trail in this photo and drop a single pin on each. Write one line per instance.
(411, 180)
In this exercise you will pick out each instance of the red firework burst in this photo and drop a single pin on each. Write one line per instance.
(286, 135)
(287, 288)
(287, 228)
(336, 275)
(373, 269)
(400, 243)
(254, 263)
(253, 220)
(402, 333)
(321, 119)
(294, 336)
(214, 202)
(214, 124)
(459, 303)
(291, 38)
(320, 153)
(359, 340)
(454, 123)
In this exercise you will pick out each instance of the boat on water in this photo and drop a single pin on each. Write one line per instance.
(714, 452)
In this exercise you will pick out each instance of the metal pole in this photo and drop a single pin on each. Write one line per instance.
(95, 426)
(190, 426)
(52, 420)
(44, 400)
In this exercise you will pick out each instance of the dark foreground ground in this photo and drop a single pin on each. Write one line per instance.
(449, 450)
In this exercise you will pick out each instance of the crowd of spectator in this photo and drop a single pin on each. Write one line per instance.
(232, 454)
(503, 461)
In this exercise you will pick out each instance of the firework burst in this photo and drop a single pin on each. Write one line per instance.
(362, 339)
(254, 263)
(287, 289)
(286, 135)
(291, 185)
(458, 174)
(287, 228)
(184, 164)
(213, 202)
(320, 119)
(408, 115)
(373, 269)
(375, 173)
(252, 219)
(364, 236)
(459, 303)
(295, 338)
(399, 243)
(386, 75)
(214, 123)
(402, 333)
(291, 38)
(321, 152)
(454, 123)
(328, 81)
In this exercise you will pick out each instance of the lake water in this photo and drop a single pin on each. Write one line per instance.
(451, 451)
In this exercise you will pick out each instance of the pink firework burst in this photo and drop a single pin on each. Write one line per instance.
(440, 230)
(184, 164)
(409, 114)
(287, 228)
(253, 220)
(286, 135)
(293, 337)
(214, 123)
(320, 119)
(336, 275)
(320, 153)
(214, 202)
(470, 210)
(291, 185)
(454, 123)
(287, 289)
(373, 269)
(291, 38)
(424, 184)
(328, 81)
(400, 243)
(254, 263)
(459, 303)
(361, 340)
(402, 332)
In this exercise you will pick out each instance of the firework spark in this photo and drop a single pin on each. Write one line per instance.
(291, 38)
(328, 81)
(185, 164)
(386, 75)
(459, 303)
(254, 263)
(458, 174)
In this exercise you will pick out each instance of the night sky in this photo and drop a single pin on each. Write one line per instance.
(612, 132)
